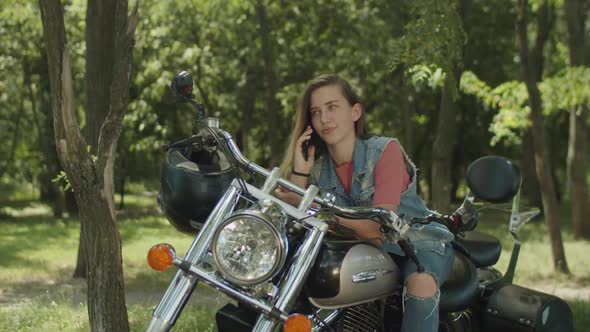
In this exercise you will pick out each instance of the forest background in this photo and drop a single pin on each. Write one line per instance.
(452, 80)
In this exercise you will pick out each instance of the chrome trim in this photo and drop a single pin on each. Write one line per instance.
(274, 211)
(201, 244)
(333, 315)
(280, 243)
(221, 285)
(366, 276)
(293, 281)
(182, 285)
(248, 165)
(212, 122)
(308, 198)
(271, 181)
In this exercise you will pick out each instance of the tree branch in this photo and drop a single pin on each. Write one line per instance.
(124, 41)
(545, 21)
(67, 130)
(119, 94)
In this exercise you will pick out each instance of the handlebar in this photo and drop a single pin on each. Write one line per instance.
(345, 212)
(392, 225)
(195, 141)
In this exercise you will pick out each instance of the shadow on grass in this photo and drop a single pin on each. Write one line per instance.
(34, 231)
(31, 234)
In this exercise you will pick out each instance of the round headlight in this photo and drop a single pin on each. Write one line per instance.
(248, 248)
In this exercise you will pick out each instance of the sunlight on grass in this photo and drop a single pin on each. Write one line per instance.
(58, 313)
(33, 209)
(535, 264)
(39, 256)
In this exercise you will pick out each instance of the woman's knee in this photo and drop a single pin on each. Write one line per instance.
(421, 285)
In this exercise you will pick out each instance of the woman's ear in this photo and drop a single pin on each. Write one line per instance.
(357, 111)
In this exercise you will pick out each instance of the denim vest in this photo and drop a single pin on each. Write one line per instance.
(366, 154)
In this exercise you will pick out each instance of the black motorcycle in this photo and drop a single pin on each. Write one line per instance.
(293, 267)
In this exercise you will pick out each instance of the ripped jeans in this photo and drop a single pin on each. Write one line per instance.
(421, 314)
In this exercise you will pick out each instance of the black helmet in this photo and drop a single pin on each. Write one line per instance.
(191, 183)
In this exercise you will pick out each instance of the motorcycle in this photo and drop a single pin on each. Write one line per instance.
(295, 268)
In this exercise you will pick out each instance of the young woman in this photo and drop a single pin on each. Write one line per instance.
(330, 148)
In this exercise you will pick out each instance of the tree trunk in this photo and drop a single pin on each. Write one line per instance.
(247, 109)
(446, 138)
(91, 179)
(531, 65)
(6, 163)
(530, 182)
(106, 296)
(408, 110)
(99, 66)
(578, 135)
(442, 152)
(80, 271)
(56, 195)
(271, 103)
(99, 74)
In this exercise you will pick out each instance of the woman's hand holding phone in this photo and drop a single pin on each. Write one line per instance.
(304, 152)
(302, 164)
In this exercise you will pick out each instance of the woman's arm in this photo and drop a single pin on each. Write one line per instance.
(391, 179)
(289, 196)
(367, 229)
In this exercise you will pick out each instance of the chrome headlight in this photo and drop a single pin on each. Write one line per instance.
(249, 247)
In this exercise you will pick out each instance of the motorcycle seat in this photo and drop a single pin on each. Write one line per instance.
(460, 287)
(481, 248)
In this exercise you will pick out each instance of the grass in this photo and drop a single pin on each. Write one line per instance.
(535, 262)
(38, 255)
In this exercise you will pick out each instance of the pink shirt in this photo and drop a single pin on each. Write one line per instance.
(391, 176)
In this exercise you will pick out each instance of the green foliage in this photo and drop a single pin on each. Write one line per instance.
(510, 99)
(425, 76)
(220, 44)
(433, 40)
(568, 89)
(62, 177)
(24, 86)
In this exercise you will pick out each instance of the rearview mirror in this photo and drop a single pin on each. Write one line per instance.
(182, 85)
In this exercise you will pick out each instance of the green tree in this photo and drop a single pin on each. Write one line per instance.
(91, 178)
(575, 15)
(532, 62)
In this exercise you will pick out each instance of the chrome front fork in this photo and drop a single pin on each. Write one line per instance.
(183, 284)
(181, 287)
(292, 283)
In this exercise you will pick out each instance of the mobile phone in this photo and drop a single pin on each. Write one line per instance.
(305, 148)
(312, 141)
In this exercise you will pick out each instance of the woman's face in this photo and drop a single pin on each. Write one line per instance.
(332, 117)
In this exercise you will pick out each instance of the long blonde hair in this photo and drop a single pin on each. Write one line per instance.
(303, 118)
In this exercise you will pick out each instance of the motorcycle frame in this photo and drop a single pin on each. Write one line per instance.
(192, 269)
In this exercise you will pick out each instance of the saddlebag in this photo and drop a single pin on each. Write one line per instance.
(515, 308)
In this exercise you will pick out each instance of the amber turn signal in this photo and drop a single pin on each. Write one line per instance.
(161, 256)
(297, 323)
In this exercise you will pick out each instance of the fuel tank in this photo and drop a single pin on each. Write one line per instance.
(347, 274)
